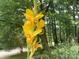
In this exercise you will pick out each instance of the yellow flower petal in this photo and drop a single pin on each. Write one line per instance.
(28, 25)
(29, 39)
(29, 14)
(41, 24)
(36, 32)
(38, 16)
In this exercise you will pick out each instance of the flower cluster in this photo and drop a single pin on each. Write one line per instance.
(32, 27)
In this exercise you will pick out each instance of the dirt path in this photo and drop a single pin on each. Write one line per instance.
(4, 53)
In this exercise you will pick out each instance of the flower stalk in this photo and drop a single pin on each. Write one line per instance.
(32, 27)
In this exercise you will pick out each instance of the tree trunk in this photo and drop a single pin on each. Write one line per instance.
(44, 38)
(54, 30)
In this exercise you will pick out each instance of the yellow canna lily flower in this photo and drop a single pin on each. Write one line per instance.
(30, 15)
(35, 47)
(40, 24)
(39, 28)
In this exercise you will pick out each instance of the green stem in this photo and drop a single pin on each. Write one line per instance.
(35, 7)
(28, 55)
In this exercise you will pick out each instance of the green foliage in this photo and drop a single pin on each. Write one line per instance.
(11, 20)
(66, 52)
